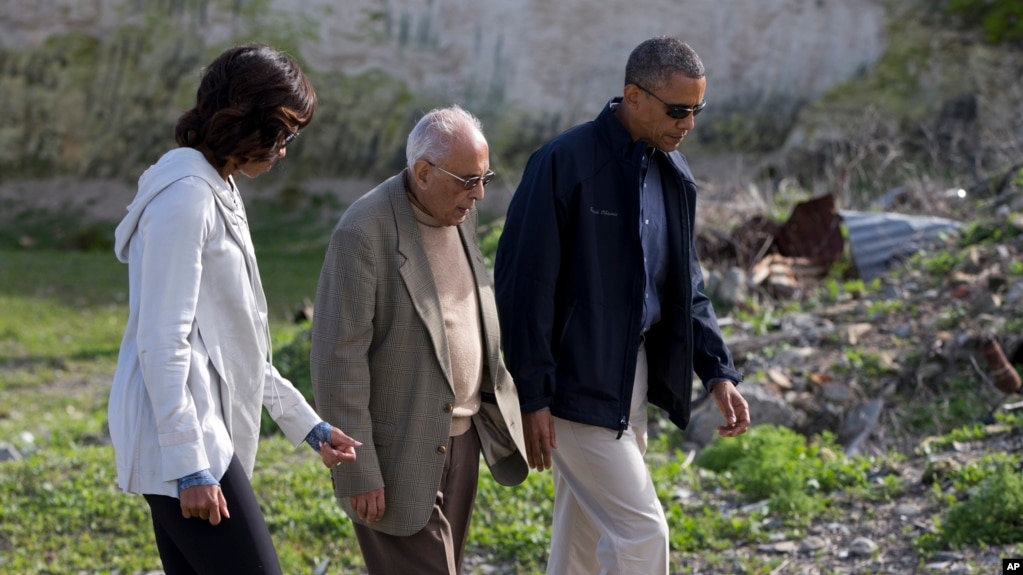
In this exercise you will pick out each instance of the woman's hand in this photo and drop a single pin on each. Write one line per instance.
(206, 502)
(341, 448)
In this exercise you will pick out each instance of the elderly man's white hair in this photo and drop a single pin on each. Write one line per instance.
(435, 132)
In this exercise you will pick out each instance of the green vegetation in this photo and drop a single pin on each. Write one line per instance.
(292, 360)
(1000, 20)
(489, 236)
(60, 509)
(781, 466)
(991, 515)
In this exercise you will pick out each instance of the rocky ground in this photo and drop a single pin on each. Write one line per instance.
(873, 365)
(877, 368)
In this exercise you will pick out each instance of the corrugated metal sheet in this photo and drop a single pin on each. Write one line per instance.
(876, 239)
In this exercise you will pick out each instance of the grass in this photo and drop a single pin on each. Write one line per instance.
(60, 510)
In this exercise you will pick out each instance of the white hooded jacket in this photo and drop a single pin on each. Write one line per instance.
(194, 369)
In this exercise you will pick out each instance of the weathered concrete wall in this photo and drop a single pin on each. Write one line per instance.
(91, 88)
(568, 56)
(546, 55)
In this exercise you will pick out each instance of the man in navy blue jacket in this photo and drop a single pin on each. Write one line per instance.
(603, 309)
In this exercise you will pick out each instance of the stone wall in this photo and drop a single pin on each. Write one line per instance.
(91, 88)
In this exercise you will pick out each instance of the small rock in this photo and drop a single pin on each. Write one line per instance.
(903, 331)
(732, 288)
(907, 510)
(852, 333)
(785, 547)
(837, 392)
(813, 543)
(778, 377)
(838, 528)
(681, 494)
(8, 452)
(862, 547)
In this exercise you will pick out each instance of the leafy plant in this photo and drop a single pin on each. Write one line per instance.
(941, 263)
(992, 515)
(779, 465)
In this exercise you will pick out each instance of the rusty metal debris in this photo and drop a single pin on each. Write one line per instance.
(781, 259)
(1005, 376)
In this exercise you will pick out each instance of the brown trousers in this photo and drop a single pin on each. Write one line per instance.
(438, 547)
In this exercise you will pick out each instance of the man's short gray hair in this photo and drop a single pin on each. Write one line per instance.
(435, 132)
(655, 60)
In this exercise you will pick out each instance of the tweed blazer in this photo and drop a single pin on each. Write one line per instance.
(380, 364)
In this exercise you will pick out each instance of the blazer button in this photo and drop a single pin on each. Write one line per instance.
(442, 449)
(449, 407)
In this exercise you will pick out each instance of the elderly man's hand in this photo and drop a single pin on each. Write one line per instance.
(733, 408)
(369, 506)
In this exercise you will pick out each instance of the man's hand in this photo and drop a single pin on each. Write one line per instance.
(341, 448)
(538, 432)
(732, 406)
(369, 506)
(206, 502)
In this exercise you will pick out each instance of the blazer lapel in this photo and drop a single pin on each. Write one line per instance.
(415, 272)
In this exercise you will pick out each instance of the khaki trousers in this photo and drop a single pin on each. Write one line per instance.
(437, 548)
(607, 517)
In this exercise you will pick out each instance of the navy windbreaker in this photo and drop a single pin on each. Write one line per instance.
(569, 282)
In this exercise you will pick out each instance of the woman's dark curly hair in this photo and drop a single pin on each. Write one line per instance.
(249, 100)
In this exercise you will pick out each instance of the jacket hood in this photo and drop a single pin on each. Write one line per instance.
(173, 166)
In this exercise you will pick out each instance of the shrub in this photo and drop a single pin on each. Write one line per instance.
(992, 516)
(781, 466)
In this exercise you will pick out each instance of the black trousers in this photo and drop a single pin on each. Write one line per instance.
(240, 544)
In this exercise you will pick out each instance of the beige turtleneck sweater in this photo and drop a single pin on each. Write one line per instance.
(457, 289)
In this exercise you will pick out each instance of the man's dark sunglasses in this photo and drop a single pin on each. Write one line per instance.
(468, 183)
(677, 111)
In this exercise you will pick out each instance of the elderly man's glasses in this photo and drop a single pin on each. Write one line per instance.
(677, 111)
(467, 183)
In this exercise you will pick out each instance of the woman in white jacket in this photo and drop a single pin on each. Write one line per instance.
(195, 370)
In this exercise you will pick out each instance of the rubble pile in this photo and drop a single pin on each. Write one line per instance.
(931, 343)
(849, 355)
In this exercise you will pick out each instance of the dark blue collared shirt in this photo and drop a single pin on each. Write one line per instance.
(653, 235)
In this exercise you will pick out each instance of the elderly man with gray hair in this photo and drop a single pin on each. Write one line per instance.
(406, 354)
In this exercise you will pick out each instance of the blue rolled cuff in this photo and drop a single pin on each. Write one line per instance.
(203, 477)
(320, 433)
